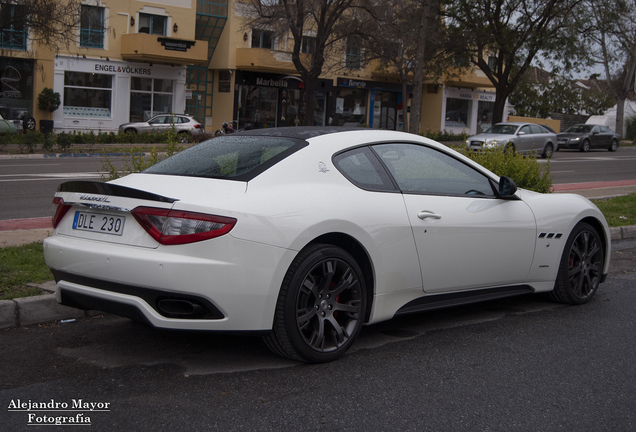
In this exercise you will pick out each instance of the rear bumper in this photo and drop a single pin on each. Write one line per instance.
(232, 285)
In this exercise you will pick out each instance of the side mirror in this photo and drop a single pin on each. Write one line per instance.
(507, 187)
(521, 133)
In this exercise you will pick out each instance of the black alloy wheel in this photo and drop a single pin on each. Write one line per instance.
(321, 306)
(585, 147)
(581, 267)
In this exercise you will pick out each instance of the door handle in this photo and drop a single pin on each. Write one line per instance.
(427, 214)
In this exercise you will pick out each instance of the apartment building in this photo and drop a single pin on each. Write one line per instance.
(133, 59)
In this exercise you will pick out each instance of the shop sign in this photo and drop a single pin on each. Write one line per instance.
(122, 69)
(175, 44)
(354, 83)
(487, 97)
(271, 82)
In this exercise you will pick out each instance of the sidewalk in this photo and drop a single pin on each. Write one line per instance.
(44, 308)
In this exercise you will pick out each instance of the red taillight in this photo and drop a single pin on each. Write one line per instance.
(60, 211)
(197, 126)
(172, 227)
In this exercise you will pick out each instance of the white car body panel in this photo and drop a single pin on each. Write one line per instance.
(278, 215)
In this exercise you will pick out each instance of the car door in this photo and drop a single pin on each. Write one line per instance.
(525, 139)
(605, 136)
(465, 236)
(159, 123)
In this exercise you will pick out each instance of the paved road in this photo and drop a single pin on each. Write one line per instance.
(520, 364)
(27, 185)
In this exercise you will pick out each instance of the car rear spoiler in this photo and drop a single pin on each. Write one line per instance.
(99, 188)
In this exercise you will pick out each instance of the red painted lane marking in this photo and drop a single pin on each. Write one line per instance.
(25, 224)
(592, 185)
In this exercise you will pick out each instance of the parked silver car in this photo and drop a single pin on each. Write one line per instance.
(163, 122)
(519, 137)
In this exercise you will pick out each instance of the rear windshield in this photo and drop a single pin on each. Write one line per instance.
(229, 157)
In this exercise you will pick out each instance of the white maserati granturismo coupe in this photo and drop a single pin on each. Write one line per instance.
(303, 235)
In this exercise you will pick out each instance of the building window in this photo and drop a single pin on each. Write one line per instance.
(309, 45)
(13, 34)
(492, 62)
(458, 113)
(262, 39)
(87, 94)
(353, 59)
(92, 27)
(462, 60)
(152, 24)
(149, 97)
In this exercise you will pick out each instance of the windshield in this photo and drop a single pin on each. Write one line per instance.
(502, 129)
(228, 157)
(580, 129)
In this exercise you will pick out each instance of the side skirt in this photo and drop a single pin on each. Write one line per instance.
(441, 301)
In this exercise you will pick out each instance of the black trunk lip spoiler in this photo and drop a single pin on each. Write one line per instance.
(99, 188)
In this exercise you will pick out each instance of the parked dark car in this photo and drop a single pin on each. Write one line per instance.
(588, 136)
(21, 117)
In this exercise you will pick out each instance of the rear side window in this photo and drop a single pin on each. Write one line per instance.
(363, 169)
(229, 157)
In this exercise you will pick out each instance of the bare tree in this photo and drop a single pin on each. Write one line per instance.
(611, 29)
(51, 23)
(322, 18)
(405, 37)
(513, 33)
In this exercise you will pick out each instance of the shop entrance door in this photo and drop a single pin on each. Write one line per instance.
(385, 110)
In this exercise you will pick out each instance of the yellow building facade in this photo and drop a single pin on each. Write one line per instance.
(134, 59)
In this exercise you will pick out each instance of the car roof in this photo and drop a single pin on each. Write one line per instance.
(299, 132)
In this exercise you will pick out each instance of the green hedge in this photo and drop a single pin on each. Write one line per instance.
(31, 141)
(526, 171)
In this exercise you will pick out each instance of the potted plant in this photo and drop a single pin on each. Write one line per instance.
(48, 101)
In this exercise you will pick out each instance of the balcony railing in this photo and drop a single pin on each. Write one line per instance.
(92, 38)
(13, 39)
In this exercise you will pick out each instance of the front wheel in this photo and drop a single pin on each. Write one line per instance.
(321, 306)
(581, 267)
(585, 147)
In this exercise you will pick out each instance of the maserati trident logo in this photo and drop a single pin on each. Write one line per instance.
(94, 198)
(322, 167)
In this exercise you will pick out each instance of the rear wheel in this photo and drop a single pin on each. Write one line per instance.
(321, 306)
(613, 146)
(585, 147)
(581, 267)
(28, 124)
(547, 151)
(183, 137)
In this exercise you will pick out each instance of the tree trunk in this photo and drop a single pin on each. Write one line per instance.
(620, 113)
(498, 114)
(405, 100)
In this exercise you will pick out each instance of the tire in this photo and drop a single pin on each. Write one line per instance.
(28, 124)
(510, 148)
(183, 137)
(585, 147)
(580, 268)
(547, 151)
(613, 146)
(130, 130)
(321, 306)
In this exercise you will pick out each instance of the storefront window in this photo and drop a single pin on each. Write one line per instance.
(257, 107)
(485, 111)
(385, 110)
(16, 83)
(87, 94)
(351, 107)
(458, 113)
(149, 97)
